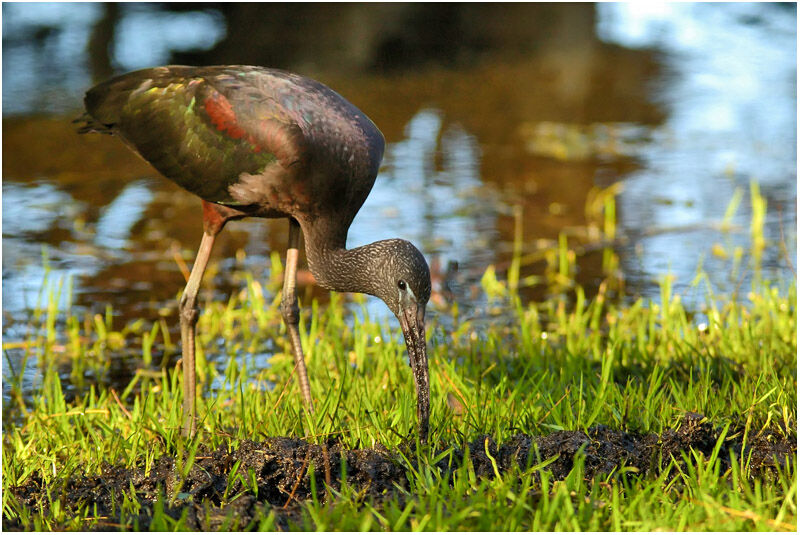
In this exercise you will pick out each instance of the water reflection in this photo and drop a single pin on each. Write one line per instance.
(43, 67)
(730, 95)
(146, 37)
(113, 229)
(426, 192)
(438, 173)
(30, 215)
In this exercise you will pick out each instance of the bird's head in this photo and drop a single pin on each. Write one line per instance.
(403, 282)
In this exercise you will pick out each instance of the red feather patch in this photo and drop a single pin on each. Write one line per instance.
(221, 113)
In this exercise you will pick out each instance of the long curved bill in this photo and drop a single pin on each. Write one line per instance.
(412, 321)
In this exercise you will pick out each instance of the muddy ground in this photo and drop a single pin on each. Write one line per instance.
(280, 466)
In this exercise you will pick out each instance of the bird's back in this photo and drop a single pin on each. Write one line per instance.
(263, 138)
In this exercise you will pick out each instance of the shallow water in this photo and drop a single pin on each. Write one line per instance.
(681, 103)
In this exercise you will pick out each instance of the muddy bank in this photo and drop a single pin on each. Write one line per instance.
(275, 473)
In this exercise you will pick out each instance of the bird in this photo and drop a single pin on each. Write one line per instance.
(260, 142)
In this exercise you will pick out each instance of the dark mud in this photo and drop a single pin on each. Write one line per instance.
(279, 468)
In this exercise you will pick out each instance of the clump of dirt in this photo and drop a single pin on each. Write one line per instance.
(274, 475)
(606, 450)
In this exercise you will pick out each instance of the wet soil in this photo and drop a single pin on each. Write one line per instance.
(280, 470)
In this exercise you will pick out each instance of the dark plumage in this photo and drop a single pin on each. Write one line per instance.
(256, 142)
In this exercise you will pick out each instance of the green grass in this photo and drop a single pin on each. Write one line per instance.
(568, 363)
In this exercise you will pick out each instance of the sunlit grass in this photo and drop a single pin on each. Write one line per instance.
(567, 363)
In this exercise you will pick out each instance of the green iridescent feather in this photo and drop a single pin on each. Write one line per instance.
(168, 125)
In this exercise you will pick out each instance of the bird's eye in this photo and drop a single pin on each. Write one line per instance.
(401, 284)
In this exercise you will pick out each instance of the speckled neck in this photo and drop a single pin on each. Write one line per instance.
(334, 266)
(374, 269)
(344, 270)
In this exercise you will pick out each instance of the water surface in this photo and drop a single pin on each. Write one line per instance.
(682, 104)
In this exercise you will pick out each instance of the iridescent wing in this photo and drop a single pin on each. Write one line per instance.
(181, 121)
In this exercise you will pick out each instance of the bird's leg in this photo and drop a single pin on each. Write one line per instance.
(291, 312)
(291, 316)
(188, 314)
(214, 219)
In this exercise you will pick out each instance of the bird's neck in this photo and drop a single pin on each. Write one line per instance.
(340, 269)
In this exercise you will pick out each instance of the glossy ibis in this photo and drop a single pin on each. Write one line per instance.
(257, 142)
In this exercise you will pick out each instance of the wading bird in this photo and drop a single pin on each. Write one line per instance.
(257, 142)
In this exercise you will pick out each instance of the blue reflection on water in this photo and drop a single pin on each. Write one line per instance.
(432, 206)
(28, 211)
(730, 92)
(146, 38)
(45, 65)
(116, 223)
